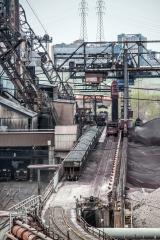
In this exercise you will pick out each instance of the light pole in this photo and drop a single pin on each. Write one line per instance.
(68, 237)
(102, 224)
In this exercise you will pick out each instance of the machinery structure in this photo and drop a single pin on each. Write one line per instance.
(19, 50)
(94, 63)
(26, 63)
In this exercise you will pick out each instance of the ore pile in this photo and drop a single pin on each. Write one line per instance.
(146, 209)
(144, 156)
(148, 134)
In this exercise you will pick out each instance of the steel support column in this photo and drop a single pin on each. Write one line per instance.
(125, 84)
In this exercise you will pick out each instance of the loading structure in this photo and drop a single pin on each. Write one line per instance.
(75, 160)
(103, 61)
(20, 49)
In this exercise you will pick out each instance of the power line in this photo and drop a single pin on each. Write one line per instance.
(35, 14)
(7, 149)
(143, 99)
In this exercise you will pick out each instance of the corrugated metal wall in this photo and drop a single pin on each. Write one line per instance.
(15, 120)
(65, 137)
(65, 112)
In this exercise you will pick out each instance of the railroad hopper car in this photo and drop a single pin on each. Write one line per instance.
(112, 129)
(75, 160)
(102, 118)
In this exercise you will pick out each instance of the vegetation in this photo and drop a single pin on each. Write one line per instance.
(149, 108)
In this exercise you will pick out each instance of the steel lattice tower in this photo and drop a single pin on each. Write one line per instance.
(100, 27)
(83, 14)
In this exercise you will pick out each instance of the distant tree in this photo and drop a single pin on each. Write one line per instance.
(147, 109)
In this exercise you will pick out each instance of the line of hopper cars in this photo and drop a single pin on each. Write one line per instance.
(75, 160)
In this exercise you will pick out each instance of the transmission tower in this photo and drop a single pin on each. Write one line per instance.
(83, 14)
(100, 27)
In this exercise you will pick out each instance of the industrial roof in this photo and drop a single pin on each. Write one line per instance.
(17, 107)
(83, 144)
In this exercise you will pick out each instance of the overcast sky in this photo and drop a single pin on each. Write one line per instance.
(62, 21)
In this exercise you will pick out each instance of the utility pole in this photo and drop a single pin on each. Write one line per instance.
(100, 27)
(83, 14)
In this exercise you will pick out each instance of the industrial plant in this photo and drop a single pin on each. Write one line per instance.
(79, 131)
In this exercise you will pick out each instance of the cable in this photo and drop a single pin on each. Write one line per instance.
(35, 14)
(92, 149)
(142, 99)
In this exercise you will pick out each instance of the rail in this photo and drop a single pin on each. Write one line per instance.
(47, 229)
(60, 222)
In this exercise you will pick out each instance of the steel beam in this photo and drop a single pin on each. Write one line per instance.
(125, 85)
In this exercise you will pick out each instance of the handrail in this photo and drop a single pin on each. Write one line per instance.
(27, 203)
(94, 231)
(51, 186)
(48, 191)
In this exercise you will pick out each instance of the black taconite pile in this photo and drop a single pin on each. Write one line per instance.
(144, 156)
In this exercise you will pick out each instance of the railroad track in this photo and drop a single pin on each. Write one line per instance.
(66, 229)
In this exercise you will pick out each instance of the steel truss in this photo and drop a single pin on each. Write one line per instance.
(14, 67)
(108, 58)
(12, 43)
(34, 44)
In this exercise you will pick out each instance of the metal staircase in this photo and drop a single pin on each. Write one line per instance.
(128, 218)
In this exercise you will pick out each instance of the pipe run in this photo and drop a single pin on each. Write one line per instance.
(10, 236)
(32, 230)
(132, 233)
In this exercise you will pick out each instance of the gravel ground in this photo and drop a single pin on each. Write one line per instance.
(146, 208)
(13, 192)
